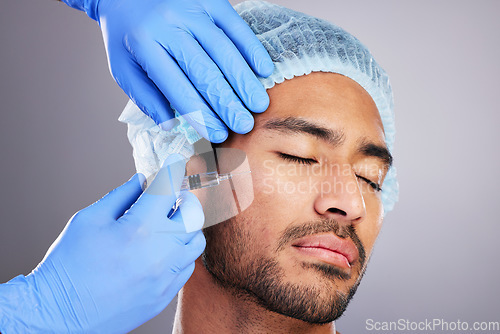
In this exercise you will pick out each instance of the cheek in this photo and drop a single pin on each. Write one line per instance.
(276, 204)
(266, 216)
(369, 229)
(271, 210)
(280, 181)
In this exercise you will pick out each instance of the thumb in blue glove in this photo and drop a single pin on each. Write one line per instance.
(195, 55)
(117, 263)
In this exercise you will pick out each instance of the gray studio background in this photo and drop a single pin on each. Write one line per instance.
(62, 147)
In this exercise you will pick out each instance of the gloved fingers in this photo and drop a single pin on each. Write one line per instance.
(159, 197)
(116, 202)
(196, 246)
(189, 216)
(182, 223)
(190, 252)
(208, 80)
(256, 55)
(176, 87)
(230, 61)
(139, 87)
(180, 280)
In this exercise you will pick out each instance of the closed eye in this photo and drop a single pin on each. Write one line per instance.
(372, 184)
(307, 161)
(293, 158)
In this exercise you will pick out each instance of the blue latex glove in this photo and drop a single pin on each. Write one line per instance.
(194, 54)
(111, 269)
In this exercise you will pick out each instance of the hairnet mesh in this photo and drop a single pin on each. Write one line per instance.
(300, 44)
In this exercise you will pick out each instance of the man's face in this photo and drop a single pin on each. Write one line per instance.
(316, 156)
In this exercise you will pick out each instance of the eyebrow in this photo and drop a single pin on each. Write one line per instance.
(295, 125)
(373, 150)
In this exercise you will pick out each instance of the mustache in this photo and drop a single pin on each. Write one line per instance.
(342, 230)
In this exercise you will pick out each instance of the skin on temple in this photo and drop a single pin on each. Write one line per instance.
(257, 281)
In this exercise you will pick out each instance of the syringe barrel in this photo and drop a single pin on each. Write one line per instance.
(202, 180)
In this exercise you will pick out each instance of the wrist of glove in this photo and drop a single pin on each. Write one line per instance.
(27, 305)
(87, 6)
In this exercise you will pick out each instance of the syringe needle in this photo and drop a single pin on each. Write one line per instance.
(227, 176)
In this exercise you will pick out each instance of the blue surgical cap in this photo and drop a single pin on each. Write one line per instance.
(300, 44)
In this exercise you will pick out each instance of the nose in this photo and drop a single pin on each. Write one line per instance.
(340, 198)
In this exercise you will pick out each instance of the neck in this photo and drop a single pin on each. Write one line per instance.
(205, 307)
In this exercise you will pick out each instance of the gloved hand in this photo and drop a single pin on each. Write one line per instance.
(117, 263)
(184, 52)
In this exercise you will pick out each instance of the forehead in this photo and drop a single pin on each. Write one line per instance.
(331, 99)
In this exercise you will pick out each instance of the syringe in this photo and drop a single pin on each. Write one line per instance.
(202, 180)
(205, 180)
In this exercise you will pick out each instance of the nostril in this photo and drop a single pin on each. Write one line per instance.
(335, 210)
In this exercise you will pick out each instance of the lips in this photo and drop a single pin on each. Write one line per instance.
(328, 248)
